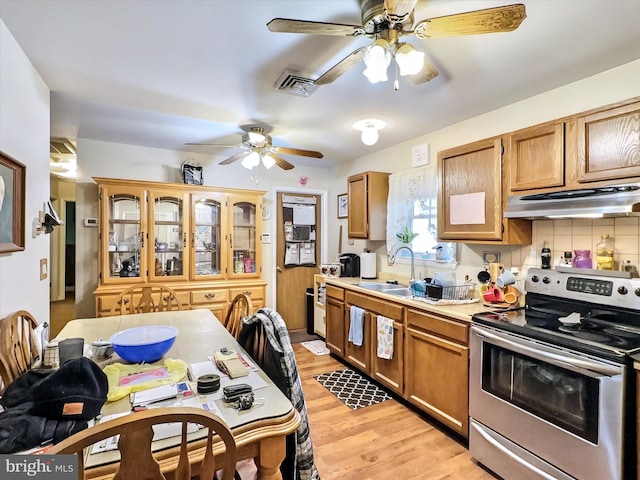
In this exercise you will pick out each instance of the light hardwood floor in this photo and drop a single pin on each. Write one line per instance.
(383, 441)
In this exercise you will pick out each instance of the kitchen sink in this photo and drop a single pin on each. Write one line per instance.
(389, 288)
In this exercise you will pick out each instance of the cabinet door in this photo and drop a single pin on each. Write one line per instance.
(245, 258)
(207, 259)
(440, 385)
(470, 200)
(536, 157)
(335, 326)
(609, 144)
(358, 206)
(168, 227)
(389, 372)
(123, 218)
(358, 356)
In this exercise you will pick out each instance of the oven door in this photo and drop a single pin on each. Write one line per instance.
(561, 406)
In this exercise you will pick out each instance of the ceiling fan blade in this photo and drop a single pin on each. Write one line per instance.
(281, 162)
(286, 25)
(427, 73)
(233, 158)
(489, 20)
(214, 145)
(398, 9)
(341, 67)
(297, 151)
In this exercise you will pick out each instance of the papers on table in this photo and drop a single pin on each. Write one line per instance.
(152, 395)
(160, 431)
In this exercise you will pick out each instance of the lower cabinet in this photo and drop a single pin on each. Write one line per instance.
(430, 362)
(335, 320)
(215, 296)
(388, 372)
(437, 349)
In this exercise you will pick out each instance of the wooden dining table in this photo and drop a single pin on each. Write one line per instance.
(260, 432)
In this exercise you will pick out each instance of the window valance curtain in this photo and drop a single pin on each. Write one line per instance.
(405, 188)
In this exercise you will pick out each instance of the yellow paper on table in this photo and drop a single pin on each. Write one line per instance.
(176, 369)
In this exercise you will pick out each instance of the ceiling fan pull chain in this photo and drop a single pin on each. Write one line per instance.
(396, 84)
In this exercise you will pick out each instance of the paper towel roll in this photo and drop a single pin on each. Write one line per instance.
(368, 265)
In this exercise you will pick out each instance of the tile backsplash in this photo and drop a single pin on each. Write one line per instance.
(571, 234)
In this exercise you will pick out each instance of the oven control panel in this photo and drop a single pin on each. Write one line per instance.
(590, 286)
(604, 289)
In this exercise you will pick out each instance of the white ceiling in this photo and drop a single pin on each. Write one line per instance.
(162, 73)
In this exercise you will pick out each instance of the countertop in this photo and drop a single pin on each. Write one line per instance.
(462, 312)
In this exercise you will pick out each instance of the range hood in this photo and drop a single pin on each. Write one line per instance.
(613, 200)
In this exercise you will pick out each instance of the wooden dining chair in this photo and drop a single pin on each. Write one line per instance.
(18, 349)
(151, 297)
(137, 460)
(240, 308)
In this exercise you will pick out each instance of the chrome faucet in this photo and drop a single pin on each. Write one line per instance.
(413, 262)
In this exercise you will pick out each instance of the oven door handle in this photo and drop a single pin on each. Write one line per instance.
(558, 359)
(492, 441)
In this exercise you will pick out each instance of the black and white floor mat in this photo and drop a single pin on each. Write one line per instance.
(352, 389)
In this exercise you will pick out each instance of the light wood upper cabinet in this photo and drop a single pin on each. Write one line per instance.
(536, 157)
(609, 144)
(367, 206)
(471, 196)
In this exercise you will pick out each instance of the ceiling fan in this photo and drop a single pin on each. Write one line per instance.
(257, 146)
(386, 21)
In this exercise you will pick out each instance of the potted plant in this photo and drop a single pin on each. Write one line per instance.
(406, 236)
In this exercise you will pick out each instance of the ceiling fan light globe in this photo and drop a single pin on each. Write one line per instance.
(257, 139)
(409, 60)
(369, 135)
(250, 161)
(375, 75)
(268, 161)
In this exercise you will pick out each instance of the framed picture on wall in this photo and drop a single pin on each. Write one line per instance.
(12, 200)
(343, 205)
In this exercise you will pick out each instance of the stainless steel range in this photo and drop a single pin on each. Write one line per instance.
(551, 391)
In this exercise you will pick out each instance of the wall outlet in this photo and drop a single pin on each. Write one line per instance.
(490, 257)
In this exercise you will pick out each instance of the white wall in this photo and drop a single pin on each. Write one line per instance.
(113, 160)
(608, 87)
(24, 135)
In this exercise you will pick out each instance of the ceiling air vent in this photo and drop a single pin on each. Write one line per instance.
(61, 146)
(295, 84)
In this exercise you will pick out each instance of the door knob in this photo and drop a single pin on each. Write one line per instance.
(278, 269)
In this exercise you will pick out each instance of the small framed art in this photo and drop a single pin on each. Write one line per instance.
(12, 200)
(343, 205)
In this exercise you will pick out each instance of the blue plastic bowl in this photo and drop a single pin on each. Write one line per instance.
(144, 344)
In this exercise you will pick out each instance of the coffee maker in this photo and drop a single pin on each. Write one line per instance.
(349, 265)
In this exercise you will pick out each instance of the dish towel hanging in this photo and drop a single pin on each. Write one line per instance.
(356, 325)
(385, 337)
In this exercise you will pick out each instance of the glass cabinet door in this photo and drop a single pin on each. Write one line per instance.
(244, 236)
(207, 237)
(124, 214)
(167, 235)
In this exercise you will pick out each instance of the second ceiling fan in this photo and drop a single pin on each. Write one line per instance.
(257, 147)
(386, 21)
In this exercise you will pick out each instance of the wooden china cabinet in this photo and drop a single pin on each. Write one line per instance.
(201, 241)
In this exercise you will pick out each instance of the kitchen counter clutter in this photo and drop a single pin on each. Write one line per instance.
(418, 350)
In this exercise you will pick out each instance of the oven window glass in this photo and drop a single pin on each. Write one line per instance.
(565, 398)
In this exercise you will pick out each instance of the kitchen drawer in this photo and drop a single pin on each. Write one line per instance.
(209, 296)
(440, 326)
(375, 305)
(255, 293)
(335, 292)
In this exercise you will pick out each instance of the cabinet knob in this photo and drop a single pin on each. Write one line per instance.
(209, 295)
(278, 269)
(247, 293)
